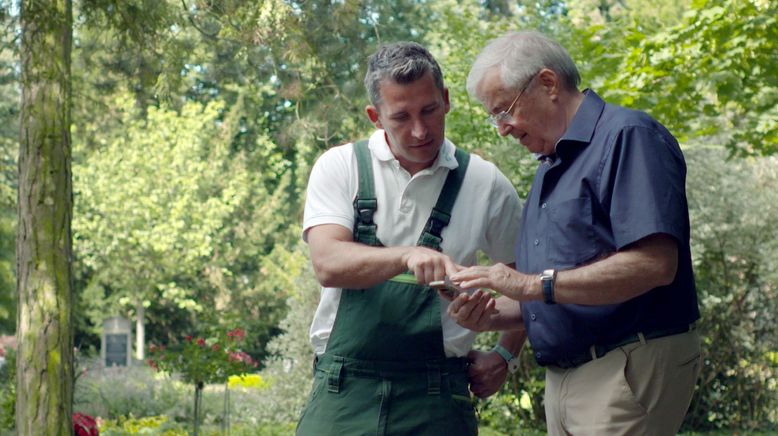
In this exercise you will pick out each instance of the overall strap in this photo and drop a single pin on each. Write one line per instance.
(441, 213)
(365, 203)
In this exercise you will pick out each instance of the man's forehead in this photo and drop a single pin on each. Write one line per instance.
(491, 89)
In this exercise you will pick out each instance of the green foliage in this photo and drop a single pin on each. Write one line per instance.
(195, 128)
(9, 149)
(130, 425)
(288, 371)
(711, 76)
(735, 250)
(110, 393)
(8, 391)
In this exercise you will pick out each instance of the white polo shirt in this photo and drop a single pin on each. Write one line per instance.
(485, 217)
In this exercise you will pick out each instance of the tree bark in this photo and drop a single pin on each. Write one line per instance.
(44, 394)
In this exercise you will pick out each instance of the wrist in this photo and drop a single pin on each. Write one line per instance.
(510, 360)
(548, 282)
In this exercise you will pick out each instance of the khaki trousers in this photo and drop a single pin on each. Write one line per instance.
(642, 388)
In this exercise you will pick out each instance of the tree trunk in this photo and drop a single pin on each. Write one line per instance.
(44, 394)
(140, 330)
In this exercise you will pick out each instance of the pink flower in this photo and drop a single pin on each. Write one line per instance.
(236, 334)
(241, 356)
(188, 338)
(201, 342)
(215, 347)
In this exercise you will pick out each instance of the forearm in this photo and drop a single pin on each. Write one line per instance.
(352, 265)
(513, 340)
(645, 265)
(339, 262)
(615, 279)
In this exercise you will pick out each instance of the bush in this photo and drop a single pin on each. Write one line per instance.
(8, 391)
(116, 392)
(733, 205)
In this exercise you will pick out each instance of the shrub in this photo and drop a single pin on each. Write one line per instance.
(8, 391)
(114, 392)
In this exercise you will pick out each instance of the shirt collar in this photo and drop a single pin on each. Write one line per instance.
(581, 128)
(381, 151)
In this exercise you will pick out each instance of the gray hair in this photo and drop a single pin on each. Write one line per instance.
(519, 56)
(402, 62)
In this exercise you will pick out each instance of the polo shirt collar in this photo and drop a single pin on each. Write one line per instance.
(381, 151)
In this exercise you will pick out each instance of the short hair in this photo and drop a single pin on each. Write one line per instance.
(403, 62)
(519, 56)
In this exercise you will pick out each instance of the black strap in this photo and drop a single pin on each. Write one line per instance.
(441, 213)
(365, 204)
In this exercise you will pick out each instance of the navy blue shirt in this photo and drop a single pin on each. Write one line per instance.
(617, 176)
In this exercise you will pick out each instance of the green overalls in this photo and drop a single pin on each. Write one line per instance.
(384, 371)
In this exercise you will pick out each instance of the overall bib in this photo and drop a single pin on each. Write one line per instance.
(384, 371)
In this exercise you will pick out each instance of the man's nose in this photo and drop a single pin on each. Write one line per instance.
(503, 128)
(419, 130)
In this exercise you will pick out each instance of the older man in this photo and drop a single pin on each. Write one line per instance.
(603, 280)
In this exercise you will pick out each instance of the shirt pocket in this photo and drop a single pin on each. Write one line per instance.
(570, 236)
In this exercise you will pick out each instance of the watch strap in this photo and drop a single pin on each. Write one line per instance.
(505, 354)
(547, 279)
(510, 359)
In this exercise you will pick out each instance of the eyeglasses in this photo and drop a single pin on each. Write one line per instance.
(503, 117)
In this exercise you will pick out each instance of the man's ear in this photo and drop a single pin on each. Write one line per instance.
(550, 82)
(373, 115)
(446, 102)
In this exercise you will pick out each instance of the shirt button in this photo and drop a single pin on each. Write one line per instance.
(532, 316)
(543, 206)
(536, 242)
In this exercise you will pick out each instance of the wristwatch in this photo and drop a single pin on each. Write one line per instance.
(547, 278)
(510, 359)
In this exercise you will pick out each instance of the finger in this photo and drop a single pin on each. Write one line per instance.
(456, 305)
(450, 267)
(483, 314)
(468, 273)
(491, 308)
(469, 308)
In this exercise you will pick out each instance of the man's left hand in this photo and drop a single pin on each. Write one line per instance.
(487, 372)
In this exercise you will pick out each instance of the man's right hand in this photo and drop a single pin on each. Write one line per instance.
(429, 265)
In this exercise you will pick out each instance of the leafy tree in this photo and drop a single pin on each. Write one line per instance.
(9, 145)
(44, 365)
(289, 369)
(710, 78)
(150, 207)
(735, 250)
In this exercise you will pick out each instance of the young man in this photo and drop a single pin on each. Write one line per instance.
(384, 218)
(603, 272)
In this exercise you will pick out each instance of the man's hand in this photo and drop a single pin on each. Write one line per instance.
(474, 311)
(429, 265)
(487, 372)
(499, 277)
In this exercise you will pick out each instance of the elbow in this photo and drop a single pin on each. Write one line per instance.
(325, 275)
(666, 273)
(667, 268)
(662, 255)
